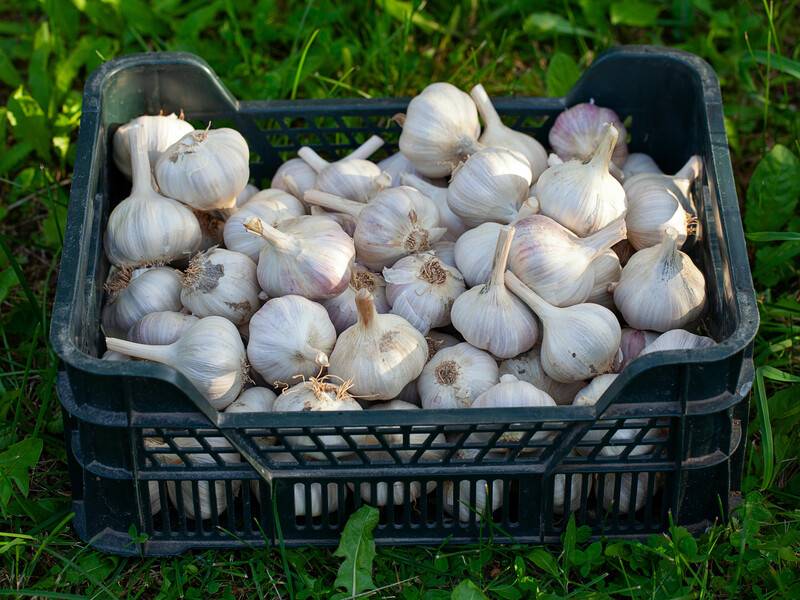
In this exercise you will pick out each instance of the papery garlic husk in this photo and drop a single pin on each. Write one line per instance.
(115, 356)
(639, 162)
(438, 340)
(346, 222)
(342, 308)
(490, 317)
(487, 497)
(626, 502)
(552, 261)
(422, 289)
(290, 337)
(604, 270)
(397, 163)
(355, 179)
(134, 294)
(583, 196)
(160, 328)
(147, 227)
(272, 207)
(633, 341)
(440, 129)
(319, 394)
(496, 134)
(205, 169)
(577, 132)
(211, 229)
(160, 133)
(579, 342)
(305, 495)
(447, 218)
(210, 355)
(456, 376)
(242, 198)
(255, 400)
(490, 186)
(223, 283)
(380, 354)
(661, 288)
(397, 222)
(306, 256)
(676, 339)
(528, 367)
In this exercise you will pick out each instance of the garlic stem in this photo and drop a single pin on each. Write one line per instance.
(277, 238)
(500, 259)
(529, 208)
(365, 150)
(314, 355)
(146, 351)
(485, 107)
(419, 184)
(668, 255)
(140, 161)
(314, 160)
(334, 203)
(528, 296)
(691, 170)
(366, 308)
(603, 239)
(602, 156)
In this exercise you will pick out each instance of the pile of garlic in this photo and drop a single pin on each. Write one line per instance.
(332, 285)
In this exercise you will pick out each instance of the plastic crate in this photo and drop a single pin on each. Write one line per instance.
(692, 406)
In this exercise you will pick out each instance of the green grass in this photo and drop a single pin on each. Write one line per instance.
(271, 50)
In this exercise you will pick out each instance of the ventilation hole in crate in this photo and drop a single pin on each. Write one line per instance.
(511, 503)
(627, 500)
(529, 123)
(471, 501)
(313, 504)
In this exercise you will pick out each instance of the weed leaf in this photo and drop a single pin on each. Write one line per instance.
(562, 73)
(357, 547)
(773, 191)
(467, 590)
(638, 14)
(14, 465)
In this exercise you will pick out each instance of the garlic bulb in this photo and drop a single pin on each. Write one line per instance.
(633, 342)
(342, 308)
(205, 169)
(447, 218)
(211, 228)
(577, 132)
(160, 133)
(272, 207)
(115, 356)
(422, 289)
(307, 256)
(472, 501)
(308, 499)
(354, 179)
(346, 222)
(605, 269)
(397, 222)
(438, 340)
(576, 484)
(242, 198)
(160, 328)
(495, 133)
(490, 186)
(318, 394)
(578, 342)
(223, 283)
(445, 252)
(583, 196)
(491, 318)
(381, 354)
(553, 262)
(134, 294)
(397, 163)
(440, 129)
(454, 377)
(255, 400)
(661, 288)
(210, 355)
(528, 367)
(676, 339)
(628, 498)
(638, 162)
(290, 337)
(147, 227)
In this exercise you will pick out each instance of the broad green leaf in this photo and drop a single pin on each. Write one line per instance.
(467, 590)
(8, 72)
(778, 375)
(68, 69)
(544, 560)
(64, 18)
(639, 14)
(547, 23)
(357, 547)
(774, 263)
(8, 279)
(777, 63)
(40, 80)
(29, 123)
(773, 191)
(12, 158)
(774, 236)
(562, 73)
(139, 15)
(14, 465)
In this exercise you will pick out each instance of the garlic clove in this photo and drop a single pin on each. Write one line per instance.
(160, 328)
(455, 376)
(633, 342)
(577, 131)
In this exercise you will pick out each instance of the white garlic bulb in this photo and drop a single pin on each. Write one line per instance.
(211, 229)
(633, 342)
(381, 354)
(115, 356)
(290, 336)
(576, 484)
(223, 283)
(628, 498)
(160, 328)
(205, 169)
(132, 294)
(397, 163)
(583, 196)
(210, 355)
(397, 222)
(490, 317)
(528, 367)
(242, 198)
(422, 289)
(605, 270)
(147, 227)
(160, 133)
(578, 342)
(307, 256)
(308, 499)
(454, 377)
(342, 308)
(255, 400)
(445, 252)
(639, 162)
(495, 133)
(660, 288)
(272, 207)
(473, 502)
(346, 222)
(577, 131)
(490, 186)
(676, 339)
(438, 340)
(440, 129)
(355, 179)
(447, 218)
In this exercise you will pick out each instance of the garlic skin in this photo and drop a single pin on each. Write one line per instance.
(676, 339)
(472, 505)
(583, 196)
(306, 256)
(342, 308)
(381, 354)
(160, 328)
(633, 342)
(242, 198)
(528, 367)
(290, 336)
(147, 227)
(455, 376)
(422, 289)
(397, 163)
(661, 288)
(495, 133)
(160, 133)
(639, 162)
(223, 283)
(575, 492)
(255, 400)
(205, 169)
(447, 218)
(308, 499)
(490, 186)
(438, 340)
(355, 179)
(134, 294)
(577, 131)
(272, 207)
(626, 502)
(115, 356)
(474, 251)
(579, 342)
(210, 355)
(605, 270)
(445, 252)
(440, 129)
(491, 318)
